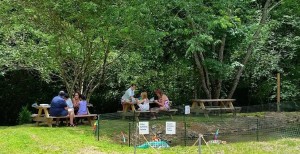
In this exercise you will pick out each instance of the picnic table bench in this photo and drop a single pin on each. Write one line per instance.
(44, 116)
(208, 105)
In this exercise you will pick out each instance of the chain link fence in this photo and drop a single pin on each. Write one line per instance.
(220, 126)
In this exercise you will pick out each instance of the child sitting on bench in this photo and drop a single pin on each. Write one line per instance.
(143, 103)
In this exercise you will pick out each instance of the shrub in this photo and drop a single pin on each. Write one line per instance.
(24, 115)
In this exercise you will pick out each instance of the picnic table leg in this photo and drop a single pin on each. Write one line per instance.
(206, 113)
(222, 104)
(136, 116)
(46, 112)
(125, 109)
(90, 120)
(49, 122)
(202, 107)
(194, 105)
(230, 105)
(39, 116)
(132, 107)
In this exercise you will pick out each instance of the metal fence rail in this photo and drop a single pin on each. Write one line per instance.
(224, 127)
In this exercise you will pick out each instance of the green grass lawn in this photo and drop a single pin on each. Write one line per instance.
(32, 139)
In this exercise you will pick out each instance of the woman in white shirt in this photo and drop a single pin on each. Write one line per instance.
(144, 102)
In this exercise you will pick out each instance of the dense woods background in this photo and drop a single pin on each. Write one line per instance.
(189, 49)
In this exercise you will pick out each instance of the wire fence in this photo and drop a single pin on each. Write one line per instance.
(217, 128)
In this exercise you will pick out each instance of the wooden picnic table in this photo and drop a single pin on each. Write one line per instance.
(129, 110)
(44, 116)
(207, 105)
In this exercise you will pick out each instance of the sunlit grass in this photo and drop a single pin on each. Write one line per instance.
(32, 139)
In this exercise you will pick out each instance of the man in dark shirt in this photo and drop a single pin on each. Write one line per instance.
(59, 107)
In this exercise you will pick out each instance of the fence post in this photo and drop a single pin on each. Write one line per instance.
(199, 146)
(136, 135)
(133, 120)
(184, 128)
(278, 92)
(98, 126)
(129, 133)
(257, 127)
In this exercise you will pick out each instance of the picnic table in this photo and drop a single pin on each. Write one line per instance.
(207, 105)
(43, 115)
(129, 110)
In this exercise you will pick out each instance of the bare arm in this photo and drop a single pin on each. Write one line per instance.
(140, 101)
(160, 102)
(164, 98)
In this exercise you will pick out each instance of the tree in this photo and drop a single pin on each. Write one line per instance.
(220, 36)
(82, 39)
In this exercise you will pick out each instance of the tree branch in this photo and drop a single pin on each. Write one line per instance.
(250, 47)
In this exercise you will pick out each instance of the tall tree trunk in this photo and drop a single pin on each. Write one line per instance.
(218, 83)
(249, 50)
(199, 59)
(202, 75)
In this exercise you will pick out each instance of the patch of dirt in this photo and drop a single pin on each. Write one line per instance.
(241, 124)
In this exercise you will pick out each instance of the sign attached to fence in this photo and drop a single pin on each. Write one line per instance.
(170, 127)
(144, 127)
(187, 109)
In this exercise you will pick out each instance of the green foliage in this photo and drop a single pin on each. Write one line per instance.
(22, 88)
(278, 53)
(290, 91)
(110, 44)
(217, 69)
(24, 115)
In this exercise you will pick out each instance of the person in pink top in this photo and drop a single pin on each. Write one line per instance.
(162, 102)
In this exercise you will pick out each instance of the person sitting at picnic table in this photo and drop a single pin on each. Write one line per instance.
(75, 101)
(143, 103)
(163, 100)
(69, 103)
(128, 97)
(59, 108)
(82, 106)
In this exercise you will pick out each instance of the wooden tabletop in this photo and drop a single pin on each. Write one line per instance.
(213, 100)
(42, 107)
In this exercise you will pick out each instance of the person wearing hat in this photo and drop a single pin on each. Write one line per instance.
(59, 107)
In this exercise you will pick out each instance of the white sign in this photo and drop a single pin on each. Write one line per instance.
(144, 127)
(187, 109)
(170, 127)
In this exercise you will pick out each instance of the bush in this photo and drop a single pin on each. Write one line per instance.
(24, 115)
